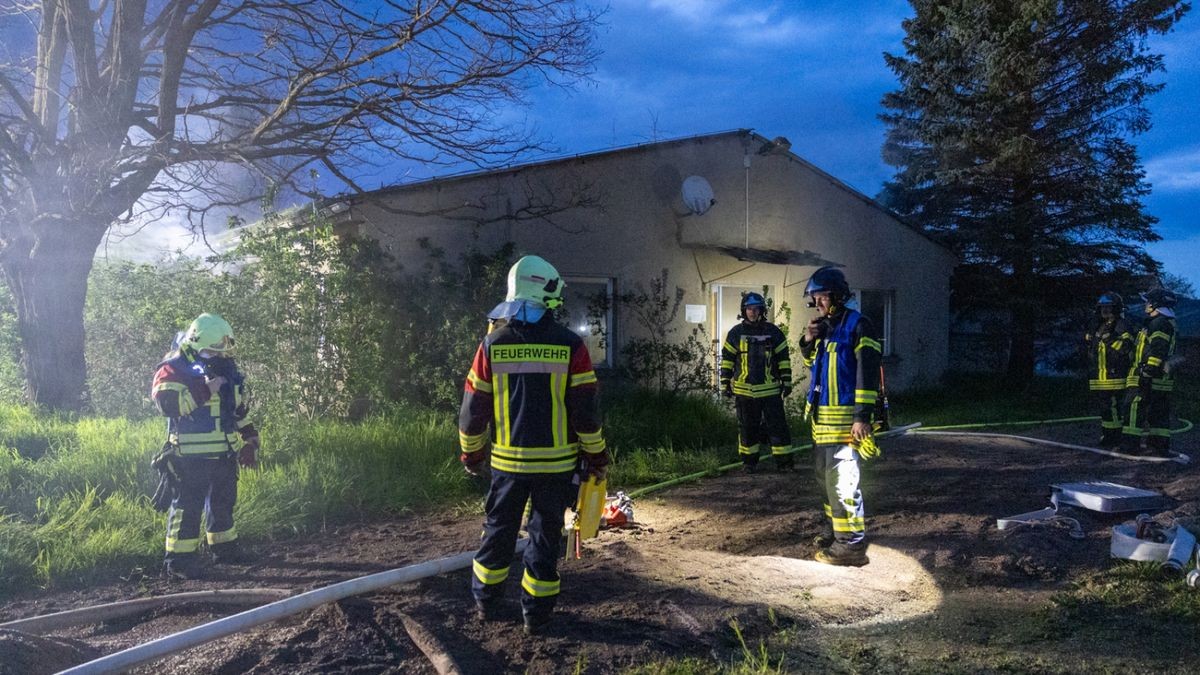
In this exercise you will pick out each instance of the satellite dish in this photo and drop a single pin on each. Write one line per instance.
(697, 195)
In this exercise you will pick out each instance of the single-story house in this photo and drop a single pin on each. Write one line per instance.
(722, 213)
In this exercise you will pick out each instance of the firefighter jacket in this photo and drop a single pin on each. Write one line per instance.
(534, 385)
(1151, 353)
(844, 385)
(201, 423)
(755, 360)
(1109, 345)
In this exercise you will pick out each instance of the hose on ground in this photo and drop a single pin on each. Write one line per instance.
(40, 625)
(197, 635)
(1179, 457)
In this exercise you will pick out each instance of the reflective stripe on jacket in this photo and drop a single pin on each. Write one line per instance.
(1155, 346)
(200, 423)
(1109, 348)
(755, 360)
(844, 382)
(533, 384)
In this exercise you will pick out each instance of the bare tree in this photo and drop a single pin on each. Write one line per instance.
(117, 108)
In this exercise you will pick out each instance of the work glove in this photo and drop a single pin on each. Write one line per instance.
(248, 453)
(1151, 371)
(867, 448)
(786, 391)
(475, 463)
(594, 464)
(727, 392)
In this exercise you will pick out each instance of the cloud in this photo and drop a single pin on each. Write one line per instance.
(1176, 171)
(762, 24)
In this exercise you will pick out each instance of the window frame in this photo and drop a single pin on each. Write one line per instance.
(889, 312)
(610, 286)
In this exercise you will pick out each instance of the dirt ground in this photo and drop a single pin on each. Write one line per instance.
(735, 548)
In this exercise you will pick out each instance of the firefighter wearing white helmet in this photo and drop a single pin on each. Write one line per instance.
(200, 391)
(843, 351)
(531, 399)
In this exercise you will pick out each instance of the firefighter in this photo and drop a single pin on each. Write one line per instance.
(203, 396)
(532, 383)
(756, 372)
(843, 351)
(1108, 344)
(1150, 383)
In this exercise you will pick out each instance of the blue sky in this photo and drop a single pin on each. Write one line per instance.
(814, 73)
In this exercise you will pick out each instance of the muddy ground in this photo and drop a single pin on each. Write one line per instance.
(943, 581)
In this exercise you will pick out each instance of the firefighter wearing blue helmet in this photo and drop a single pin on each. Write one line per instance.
(1150, 381)
(1109, 344)
(756, 371)
(842, 350)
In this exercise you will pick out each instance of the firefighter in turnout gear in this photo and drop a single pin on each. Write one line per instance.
(756, 371)
(202, 394)
(843, 351)
(1150, 383)
(530, 399)
(1109, 344)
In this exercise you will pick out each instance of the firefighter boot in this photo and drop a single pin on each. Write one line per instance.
(843, 555)
(1110, 439)
(183, 566)
(750, 463)
(785, 463)
(537, 624)
(488, 610)
(230, 553)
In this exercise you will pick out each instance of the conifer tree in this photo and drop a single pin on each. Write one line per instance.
(1011, 135)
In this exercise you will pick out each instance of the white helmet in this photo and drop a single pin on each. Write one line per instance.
(534, 280)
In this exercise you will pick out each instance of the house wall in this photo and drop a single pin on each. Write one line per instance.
(644, 227)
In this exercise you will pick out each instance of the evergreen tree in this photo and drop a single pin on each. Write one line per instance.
(1010, 133)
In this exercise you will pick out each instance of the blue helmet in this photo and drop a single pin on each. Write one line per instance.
(831, 280)
(1111, 299)
(1160, 298)
(753, 299)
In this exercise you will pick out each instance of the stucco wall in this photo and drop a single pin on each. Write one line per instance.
(644, 227)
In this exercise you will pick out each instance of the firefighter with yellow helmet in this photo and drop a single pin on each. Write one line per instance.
(200, 391)
(531, 399)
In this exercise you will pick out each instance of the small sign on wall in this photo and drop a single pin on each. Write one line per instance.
(696, 313)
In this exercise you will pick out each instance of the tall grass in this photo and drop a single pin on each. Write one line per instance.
(74, 493)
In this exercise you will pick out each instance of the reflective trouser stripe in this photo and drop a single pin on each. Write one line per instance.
(837, 471)
(780, 449)
(207, 489)
(222, 537)
(747, 449)
(182, 545)
(538, 588)
(487, 576)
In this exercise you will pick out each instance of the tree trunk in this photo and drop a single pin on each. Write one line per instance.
(48, 281)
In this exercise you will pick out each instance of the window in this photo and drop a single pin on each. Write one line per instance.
(588, 310)
(877, 305)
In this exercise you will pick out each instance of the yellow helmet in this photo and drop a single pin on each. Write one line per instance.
(533, 279)
(208, 331)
